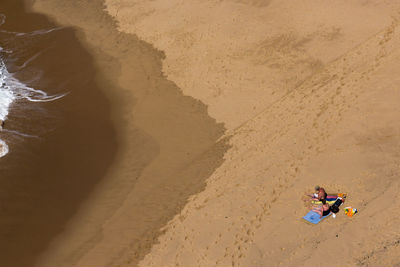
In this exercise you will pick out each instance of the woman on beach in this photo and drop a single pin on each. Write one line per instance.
(323, 210)
(320, 193)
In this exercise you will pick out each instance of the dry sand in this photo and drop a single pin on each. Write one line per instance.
(309, 93)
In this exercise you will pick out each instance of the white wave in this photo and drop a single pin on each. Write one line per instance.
(39, 32)
(12, 89)
(20, 134)
(32, 33)
(5, 51)
(6, 94)
(4, 148)
(29, 60)
(6, 98)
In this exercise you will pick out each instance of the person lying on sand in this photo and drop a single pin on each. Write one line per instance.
(320, 193)
(323, 210)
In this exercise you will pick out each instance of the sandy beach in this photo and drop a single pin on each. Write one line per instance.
(226, 114)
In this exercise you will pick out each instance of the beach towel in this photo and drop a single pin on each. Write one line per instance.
(314, 217)
(330, 199)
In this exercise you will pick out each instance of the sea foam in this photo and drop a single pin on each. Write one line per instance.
(11, 89)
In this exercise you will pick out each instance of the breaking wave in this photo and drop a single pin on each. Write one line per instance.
(11, 89)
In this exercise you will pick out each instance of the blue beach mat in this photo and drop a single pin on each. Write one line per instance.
(314, 218)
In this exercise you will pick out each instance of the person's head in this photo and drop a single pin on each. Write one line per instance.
(317, 188)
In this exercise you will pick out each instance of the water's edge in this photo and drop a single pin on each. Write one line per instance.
(168, 144)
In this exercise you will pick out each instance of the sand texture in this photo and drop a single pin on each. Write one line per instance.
(308, 93)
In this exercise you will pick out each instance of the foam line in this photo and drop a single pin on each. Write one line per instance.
(2, 19)
(47, 98)
(19, 133)
(31, 59)
(33, 33)
(5, 51)
(12, 89)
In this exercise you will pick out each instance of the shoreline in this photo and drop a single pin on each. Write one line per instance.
(168, 146)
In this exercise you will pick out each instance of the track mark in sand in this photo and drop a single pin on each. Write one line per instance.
(386, 244)
(322, 77)
(309, 113)
(374, 256)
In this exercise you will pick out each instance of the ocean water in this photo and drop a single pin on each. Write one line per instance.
(58, 140)
(14, 92)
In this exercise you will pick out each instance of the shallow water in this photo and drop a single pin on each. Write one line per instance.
(58, 135)
(13, 90)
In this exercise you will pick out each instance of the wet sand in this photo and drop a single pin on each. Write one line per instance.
(44, 179)
(167, 146)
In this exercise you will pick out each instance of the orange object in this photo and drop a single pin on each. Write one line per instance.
(349, 211)
(350, 214)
